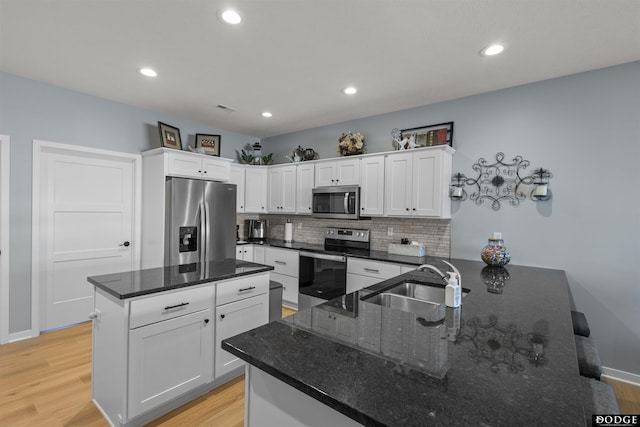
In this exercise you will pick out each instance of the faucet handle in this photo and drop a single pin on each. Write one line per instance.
(455, 270)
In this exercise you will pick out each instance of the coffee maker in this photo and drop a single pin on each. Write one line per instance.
(257, 230)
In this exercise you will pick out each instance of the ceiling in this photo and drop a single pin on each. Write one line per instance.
(293, 57)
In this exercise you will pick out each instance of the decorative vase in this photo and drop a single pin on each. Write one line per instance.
(495, 254)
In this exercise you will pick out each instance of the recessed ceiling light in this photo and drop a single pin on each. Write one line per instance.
(147, 72)
(494, 49)
(230, 16)
(267, 114)
(349, 90)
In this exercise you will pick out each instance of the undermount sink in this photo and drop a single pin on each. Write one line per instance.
(412, 297)
(403, 303)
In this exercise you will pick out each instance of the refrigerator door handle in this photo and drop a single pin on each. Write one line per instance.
(203, 226)
(207, 237)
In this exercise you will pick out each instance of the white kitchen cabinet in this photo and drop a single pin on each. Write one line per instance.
(237, 178)
(255, 192)
(372, 186)
(243, 304)
(282, 189)
(338, 172)
(153, 353)
(194, 165)
(363, 272)
(244, 252)
(286, 264)
(184, 344)
(417, 183)
(258, 253)
(305, 179)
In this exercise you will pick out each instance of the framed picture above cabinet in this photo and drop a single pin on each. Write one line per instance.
(170, 136)
(210, 143)
(428, 136)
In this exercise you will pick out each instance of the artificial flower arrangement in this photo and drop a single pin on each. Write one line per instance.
(351, 143)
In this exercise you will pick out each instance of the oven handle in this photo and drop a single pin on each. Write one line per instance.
(339, 258)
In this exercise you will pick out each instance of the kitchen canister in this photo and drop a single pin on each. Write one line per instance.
(495, 254)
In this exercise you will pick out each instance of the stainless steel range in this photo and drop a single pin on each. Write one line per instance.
(323, 274)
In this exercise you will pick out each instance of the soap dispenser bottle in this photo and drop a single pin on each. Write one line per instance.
(452, 293)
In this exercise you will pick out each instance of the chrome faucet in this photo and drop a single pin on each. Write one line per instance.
(424, 267)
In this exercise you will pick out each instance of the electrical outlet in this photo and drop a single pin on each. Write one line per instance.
(390, 231)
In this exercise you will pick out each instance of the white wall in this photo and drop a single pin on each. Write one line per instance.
(32, 110)
(585, 128)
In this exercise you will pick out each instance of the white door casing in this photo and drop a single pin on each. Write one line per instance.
(84, 212)
(4, 237)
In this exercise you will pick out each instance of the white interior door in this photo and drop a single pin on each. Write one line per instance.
(86, 225)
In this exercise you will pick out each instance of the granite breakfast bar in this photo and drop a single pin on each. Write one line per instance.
(507, 357)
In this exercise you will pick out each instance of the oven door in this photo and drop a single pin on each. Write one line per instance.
(322, 277)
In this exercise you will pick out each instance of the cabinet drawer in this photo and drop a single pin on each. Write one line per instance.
(164, 306)
(376, 269)
(244, 287)
(284, 261)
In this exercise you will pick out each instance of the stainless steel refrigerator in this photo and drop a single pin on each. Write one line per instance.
(200, 221)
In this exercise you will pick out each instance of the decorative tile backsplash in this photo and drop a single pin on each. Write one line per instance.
(434, 233)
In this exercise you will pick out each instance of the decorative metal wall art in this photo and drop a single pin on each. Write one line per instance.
(501, 182)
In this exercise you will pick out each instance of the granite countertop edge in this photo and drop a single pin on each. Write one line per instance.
(216, 278)
(303, 387)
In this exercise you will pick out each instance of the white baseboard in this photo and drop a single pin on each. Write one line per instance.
(19, 336)
(618, 375)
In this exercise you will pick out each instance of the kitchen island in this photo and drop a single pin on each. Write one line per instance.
(157, 334)
(507, 357)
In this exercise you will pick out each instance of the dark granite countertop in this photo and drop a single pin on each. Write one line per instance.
(131, 284)
(372, 255)
(507, 357)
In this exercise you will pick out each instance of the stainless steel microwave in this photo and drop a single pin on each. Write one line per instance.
(342, 202)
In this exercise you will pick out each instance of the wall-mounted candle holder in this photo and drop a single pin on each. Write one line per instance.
(501, 182)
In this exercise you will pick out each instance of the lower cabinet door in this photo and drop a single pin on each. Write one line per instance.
(233, 319)
(169, 358)
(290, 288)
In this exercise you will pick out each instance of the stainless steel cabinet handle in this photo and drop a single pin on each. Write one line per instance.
(371, 270)
(250, 288)
(182, 304)
(280, 262)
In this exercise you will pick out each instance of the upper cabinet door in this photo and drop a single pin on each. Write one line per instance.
(215, 169)
(282, 189)
(289, 189)
(426, 179)
(184, 165)
(338, 172)
(372, 186)
(348, 172)
(193, 165)
(237, 178)
(325, 174)
(274, 195)
(255, 193)
(398, 178)
(304, 185)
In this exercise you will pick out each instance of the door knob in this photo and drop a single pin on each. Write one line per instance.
(125, 244)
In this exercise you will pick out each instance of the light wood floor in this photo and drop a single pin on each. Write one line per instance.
(46, 381)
